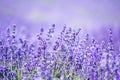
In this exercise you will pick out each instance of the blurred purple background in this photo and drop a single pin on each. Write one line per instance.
(93, 16)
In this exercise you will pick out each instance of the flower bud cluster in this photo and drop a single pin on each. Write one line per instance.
(70, 57)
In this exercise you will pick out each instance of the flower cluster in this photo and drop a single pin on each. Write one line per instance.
(68, 58)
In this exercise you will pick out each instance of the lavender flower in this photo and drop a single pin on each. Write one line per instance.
(68, 58)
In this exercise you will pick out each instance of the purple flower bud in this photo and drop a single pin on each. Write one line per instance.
(12, 76)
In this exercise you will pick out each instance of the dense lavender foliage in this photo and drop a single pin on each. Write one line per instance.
(70, 57)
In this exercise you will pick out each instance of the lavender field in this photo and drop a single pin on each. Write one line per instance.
(59, 39)
(68, 57)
